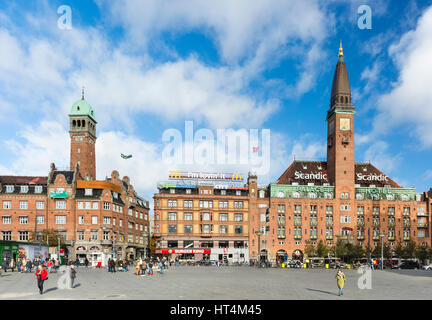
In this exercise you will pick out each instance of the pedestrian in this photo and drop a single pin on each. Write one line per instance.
(150, 265)
(340, 276)
(12, 264)
(143, 268)
(72, 275)
(138, 268)
(5, 264)
(57, 264)
(86, 262)
(41, 276)
(49, 265)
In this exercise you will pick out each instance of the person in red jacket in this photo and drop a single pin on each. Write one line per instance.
(41, 276)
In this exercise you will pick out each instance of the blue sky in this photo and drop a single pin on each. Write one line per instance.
(148, 66)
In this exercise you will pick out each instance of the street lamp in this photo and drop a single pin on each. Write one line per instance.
(382, 250)
(259, 234)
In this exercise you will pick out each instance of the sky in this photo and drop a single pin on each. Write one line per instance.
(149, 66)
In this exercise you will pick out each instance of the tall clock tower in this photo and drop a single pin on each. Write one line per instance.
(82, 124)
(340, 133)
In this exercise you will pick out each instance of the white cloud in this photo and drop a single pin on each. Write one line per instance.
(379, 155)
(410, 100)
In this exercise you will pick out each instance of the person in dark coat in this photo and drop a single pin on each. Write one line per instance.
(72, 275)
(86, 262)
(41, 276)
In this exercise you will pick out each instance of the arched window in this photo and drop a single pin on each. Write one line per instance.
(73, 123)
(83, 123)
(296, 195)
(79, 123)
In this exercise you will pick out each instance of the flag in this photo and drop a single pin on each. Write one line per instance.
(255, 149)
(126, 156)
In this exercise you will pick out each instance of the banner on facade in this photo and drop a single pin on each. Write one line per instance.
(183, 251)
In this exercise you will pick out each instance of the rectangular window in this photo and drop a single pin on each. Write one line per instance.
(297, 208)
(188, 229)
(223, 204)
(38, 189)
(7, 219)
(94, 219)
(223, 216)
(88, 192)
(238, 204)
(205, 216)
(188, 191)
(329, 209)
(23, 204)
(7, 204)
(172, 228)
(206, 204)
(345, 219)
(106, 206)
(23, 235)
(114, 221)
(9, 189)
(60, 204)
(187, 203)
(24, 189)
(172, 203)
(130, 212)
(106, 220)
(80, 219)
(223, 229)
(40, 205)
(80, 205)
(88, 205)
(23, 219)
(238, 217)
(95, 205)
(40, 219)
(106, 235)
(60, 219)
(141, 215)
(7, 235)
(188, 216)
(281, 208)
(238, 229)
(80, 235)
(262, 217)
(94, 235)
(172, 216)
(121, 223)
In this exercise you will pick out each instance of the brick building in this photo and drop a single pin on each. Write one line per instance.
(197, 219)
(97, 219)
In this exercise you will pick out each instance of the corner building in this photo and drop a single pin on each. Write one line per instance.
(336, 199)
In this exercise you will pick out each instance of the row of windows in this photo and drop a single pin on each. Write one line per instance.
(360, 209)
(204, 228)
(22, 235)
(23, 189)
(205, 191)
(204, 216)
(172, 203)
(23, 204)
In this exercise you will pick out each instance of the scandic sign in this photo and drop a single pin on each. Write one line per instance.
(182, 251)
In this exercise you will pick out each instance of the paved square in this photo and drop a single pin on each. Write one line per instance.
(222, 283)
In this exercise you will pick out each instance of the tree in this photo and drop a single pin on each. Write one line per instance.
(322, 249)
(340, 249)
(399, 250)
(310, 250)
(376, 253)
(422, 253)
(53, 237)
(387, 251)
(409, 250)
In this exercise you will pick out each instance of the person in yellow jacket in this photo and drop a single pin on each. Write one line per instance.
(340, 276)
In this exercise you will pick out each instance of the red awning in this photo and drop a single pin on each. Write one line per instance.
(182, 251)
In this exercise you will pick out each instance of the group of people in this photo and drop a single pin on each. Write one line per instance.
(145, 266)
(115, 265)
(27, 265)
(42, 275)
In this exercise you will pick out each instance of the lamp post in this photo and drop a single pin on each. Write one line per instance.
(382, 250)
(259, 233)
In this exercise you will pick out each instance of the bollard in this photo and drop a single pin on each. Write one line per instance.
(326, 266)
(283, 265)
(348, 266)
(304, 265)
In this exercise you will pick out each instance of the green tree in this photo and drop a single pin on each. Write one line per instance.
(376, 253)
(409, 250)
(399, 250)
(422, 253)
(49, 234)
(322, 249)
(341, 249)
(310, 250)
(387, 251)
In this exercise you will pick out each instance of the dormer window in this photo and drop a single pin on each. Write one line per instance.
(304, 167)
(9, 189)
(88, 192)
(115, 194)
(364, 169)
(24, 189)
(38, 189)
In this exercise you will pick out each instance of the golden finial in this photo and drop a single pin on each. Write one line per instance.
(340, 50)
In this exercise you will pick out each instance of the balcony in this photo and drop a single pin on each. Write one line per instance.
(313, 237)
(329, 237)
(407, 224)
(391, 223)
(329, 223)
(297, 223)
(360, 237)
(297, 237)
(281, 236)
(391, 238)
(313, 223)
(406, 238)
(376, 223)
(422, 225)
(360, 223)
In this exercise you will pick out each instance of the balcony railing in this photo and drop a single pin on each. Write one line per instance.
(297, 223)
(391, 223)
(313, 237)
(407, 224)
(313, 223)
(376, 223)
(329, 223)
(329, 237)
(391, 237)
(281, 236)
(360, 237)
(422, 225)
(360, 223)
(297, 236)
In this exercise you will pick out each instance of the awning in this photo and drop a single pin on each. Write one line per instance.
(182, 251)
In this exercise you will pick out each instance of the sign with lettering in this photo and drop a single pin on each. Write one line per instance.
(58, 194)
(183, 251)
(310, 176)
(205, 176)
(371, 177)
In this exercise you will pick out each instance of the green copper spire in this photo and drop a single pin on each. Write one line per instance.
(82, 108)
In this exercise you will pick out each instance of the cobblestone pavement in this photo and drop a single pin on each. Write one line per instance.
(222, 283)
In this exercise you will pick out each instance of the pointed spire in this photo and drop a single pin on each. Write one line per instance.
(340, 49)
(82, 93)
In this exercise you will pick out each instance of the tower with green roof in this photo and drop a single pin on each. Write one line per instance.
(82, 124)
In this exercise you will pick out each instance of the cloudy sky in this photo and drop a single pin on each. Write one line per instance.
(149, 66)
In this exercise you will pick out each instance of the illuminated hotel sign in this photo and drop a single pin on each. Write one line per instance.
(206, 176)
(314, 176)
(371, 177)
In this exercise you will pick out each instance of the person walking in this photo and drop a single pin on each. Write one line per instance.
(86, 262)
(72, 275)
(340, 276)
(137, 268)
(49, 265)
(12, 264)
(150, 265)
(5, 264)
(41, 276)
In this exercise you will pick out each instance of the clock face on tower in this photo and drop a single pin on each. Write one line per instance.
(344, 124)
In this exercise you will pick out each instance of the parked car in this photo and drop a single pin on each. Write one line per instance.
(428, 267)
(409, 265)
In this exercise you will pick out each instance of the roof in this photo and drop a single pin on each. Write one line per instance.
(82, 108)
(340, 80)
(304, 172)
(22, 180)
(96, 194)
(68, 175)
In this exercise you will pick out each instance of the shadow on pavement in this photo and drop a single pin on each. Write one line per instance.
(50, 289)
(76, 286)
(322, 291)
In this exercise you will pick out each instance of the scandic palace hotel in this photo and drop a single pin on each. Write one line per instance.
(197, 216)
(219, 216)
